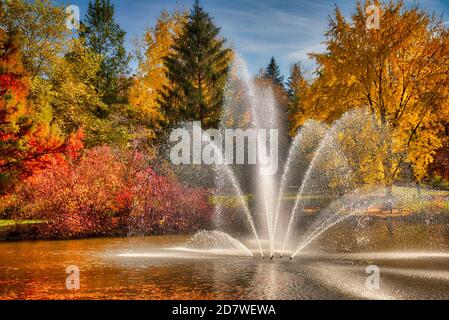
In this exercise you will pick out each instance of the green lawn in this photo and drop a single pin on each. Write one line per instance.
(429, 201)
(424, 191)
(234, 201)
(10, 223)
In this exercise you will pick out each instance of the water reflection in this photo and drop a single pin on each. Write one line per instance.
(412, 262)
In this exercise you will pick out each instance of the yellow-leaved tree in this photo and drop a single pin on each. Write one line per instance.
(151, 77)
(298, 90)
(398, 71)
(62, 71)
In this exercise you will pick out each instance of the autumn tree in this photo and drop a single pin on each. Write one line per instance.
(63, 72)
(42, 28)
(77, 104)
(440, 167)
(398, 71)
(152, 73)
(75, 101)
(28, 141)
(297, 89)
(197, 69)
(105, 37)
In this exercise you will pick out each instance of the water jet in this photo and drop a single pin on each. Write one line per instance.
(271, 222)
(257, 213)
(297, 213)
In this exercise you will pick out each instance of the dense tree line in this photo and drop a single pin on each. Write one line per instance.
(64, 90)
(398, 72)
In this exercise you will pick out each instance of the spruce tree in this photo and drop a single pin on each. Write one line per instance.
(105, 37)
(196, 70)
(273, 72)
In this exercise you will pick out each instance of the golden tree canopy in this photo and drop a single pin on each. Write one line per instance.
(399, 71)
(151, 76)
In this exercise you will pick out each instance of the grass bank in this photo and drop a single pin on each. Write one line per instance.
(8, 224)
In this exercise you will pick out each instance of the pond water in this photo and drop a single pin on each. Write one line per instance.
(413, 263)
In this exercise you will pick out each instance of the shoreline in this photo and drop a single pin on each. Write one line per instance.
(30, 231)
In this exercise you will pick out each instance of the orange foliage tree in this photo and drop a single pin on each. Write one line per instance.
(28, 140)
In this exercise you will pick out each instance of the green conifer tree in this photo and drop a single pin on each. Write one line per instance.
(105, 37)
(197, 71)
(273, 72)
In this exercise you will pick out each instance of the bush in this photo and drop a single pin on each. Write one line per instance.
(111, 193)
(438, 182)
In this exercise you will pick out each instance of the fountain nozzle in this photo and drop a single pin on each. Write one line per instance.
(271, 258)
(291, 258)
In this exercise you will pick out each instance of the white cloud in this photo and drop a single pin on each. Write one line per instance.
(302, 53)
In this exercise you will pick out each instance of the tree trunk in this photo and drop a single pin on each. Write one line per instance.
(418, 189)
(389, 180)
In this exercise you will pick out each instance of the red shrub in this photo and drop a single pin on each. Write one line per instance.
(105, 193)
(160, 205)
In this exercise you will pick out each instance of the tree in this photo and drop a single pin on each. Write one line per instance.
(28, 141)
(152, 73)
(197, 70)
(41, 26)
(273, 72)
(440, 166)
(77, 104)
(105, 37)
(62, 70)
(398, 71)
(297, 88)
(75, 101)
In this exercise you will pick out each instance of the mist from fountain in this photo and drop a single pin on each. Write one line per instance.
(316, 151)
(354, 204)
(310, 127)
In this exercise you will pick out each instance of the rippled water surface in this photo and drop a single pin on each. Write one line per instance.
(413, 264)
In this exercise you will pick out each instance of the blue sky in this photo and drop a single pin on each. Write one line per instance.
(257, 29)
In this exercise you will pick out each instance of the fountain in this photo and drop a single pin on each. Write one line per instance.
(325, 188)
(326, 208)
(325, 212)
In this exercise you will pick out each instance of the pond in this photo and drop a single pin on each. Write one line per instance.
(412, 263)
